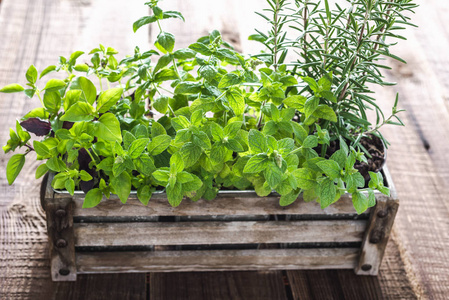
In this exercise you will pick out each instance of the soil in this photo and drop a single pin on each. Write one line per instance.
(375, 148)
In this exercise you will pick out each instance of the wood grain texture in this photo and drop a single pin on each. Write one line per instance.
(218, 260)
(217, 285)
(377, 235)
(198, 233)
(61, 238)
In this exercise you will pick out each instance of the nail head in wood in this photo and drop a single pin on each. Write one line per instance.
(61, 213)
(61, 243)
(366, 267)
(382, 213)
(64, 272)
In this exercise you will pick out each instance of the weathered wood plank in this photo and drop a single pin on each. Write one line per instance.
(198, 233)
(377, 235)
(216, 260)
(217, 285)
(61, 238)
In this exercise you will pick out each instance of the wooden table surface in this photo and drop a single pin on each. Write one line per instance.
(416, 264)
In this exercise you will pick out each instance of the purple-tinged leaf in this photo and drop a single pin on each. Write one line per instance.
(37, 126)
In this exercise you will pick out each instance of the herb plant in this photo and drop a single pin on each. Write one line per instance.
(227, 121)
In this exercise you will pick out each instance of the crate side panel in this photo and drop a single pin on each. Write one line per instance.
(188, 261)
(197, 233)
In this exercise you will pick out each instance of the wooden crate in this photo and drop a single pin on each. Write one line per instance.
(236, 231)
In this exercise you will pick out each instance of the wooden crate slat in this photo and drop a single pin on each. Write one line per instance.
(217, 260)
(195, 233)
(224, 204)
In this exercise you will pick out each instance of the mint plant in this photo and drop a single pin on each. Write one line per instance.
(227, 121)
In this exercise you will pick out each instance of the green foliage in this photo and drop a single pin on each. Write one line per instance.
(228, 121)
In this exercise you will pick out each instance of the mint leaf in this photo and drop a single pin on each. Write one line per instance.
(325, 112)
(305, 178)
(257, 141)
(273, 174)
(15, 165)
(93, 198)
(190, 154)
(144, 194)
(216, 132)
(137, 147)
(218, 153)
(288, 199)
(159, 144)
(232, 129)
(174, 194)
(360, 202)
(310, 142)
(330, 168)
(328, 192)
(165, 42)
(143, 21)
(256, 164)
(296, 101)
(177, 161)
(122, 186)
(228, 80)
(236, 101)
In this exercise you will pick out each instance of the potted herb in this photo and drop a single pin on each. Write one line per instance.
(184, 124)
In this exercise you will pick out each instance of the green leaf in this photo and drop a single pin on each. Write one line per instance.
(161, 104)
(12, 88)
(31, 74)
(236, 101)
(41, 170)
(84, 176)
(190, 154)
(108, 128)
(288, 199)
(311, 105)
(144, 194)
(159, 144)
(200, 48)
(325, 112)
(54, 85)
(143, 21)
(157, 129)
(108, 98)
(184, 54)
(371, 198)
(310, 142)
(47, 70)
(56, 164)
(80, 111)
(52, 101)
(165, 42)
(188, 87)
(273, 175)
(88, 90)
(228, 80)
(74, 56)
(330, 168)
(216, 132)
(218, 153)
(305, 178)
(41, 149)
(339, 157)
(15, 165)
(232, 129)
(177, 161)
(384, 190)
(256, 164)
(257, 141)
(137, 147)
(328, 192)
(172, 14)
(145, 165)
(165, 75)
(234, 145)
(122, 186)
(201, 139)
(70, 186)
(174, 194)
(161, 175)
(208, 72)
(360, 202)
(93, 198)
